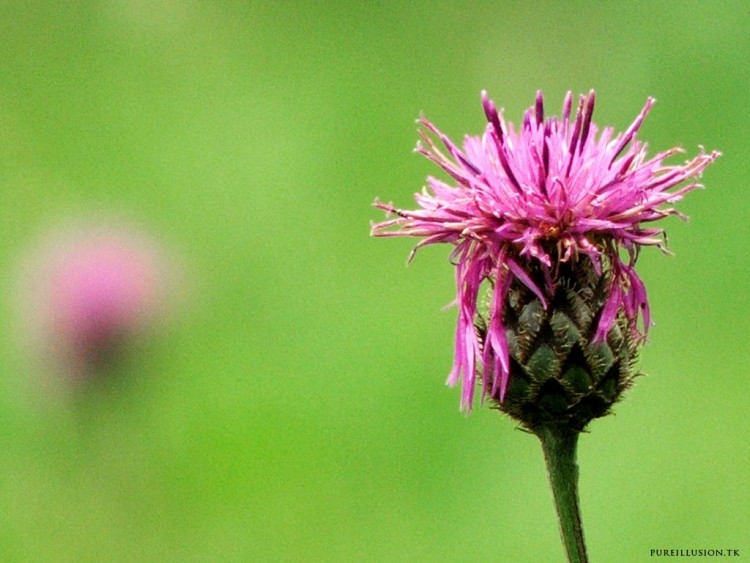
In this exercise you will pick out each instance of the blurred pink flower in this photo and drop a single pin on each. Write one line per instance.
(89, 292)
(522, 202)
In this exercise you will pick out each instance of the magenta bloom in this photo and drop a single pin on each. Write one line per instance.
(88, 292)
(555, 191)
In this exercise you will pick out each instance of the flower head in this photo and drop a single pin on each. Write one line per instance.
(88, 292)
(525, 205)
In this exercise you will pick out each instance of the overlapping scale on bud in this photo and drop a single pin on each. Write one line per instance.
(551, 216)
(559, 373)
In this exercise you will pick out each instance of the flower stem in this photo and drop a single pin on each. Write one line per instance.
(559, 446)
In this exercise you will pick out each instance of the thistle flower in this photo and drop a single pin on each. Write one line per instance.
(550, 217)
(88, 293)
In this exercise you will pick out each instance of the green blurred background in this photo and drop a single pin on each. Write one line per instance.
(295, 408)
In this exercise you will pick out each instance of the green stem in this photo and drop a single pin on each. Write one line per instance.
(559, 446)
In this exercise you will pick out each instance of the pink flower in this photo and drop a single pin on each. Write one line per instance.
(88, 292)
(523, 202)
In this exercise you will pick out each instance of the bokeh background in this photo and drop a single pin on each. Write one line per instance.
(293, 407)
